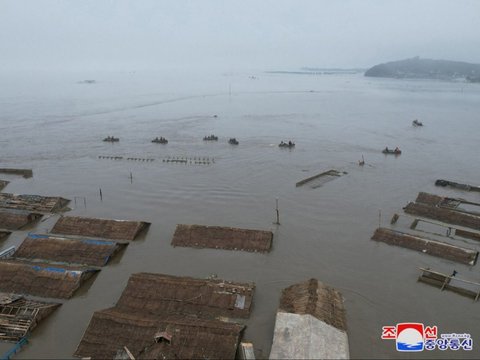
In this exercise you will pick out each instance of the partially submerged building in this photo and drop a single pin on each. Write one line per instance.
(160, 294)
(68, 250)
(318, 180)
(426, 246)
(443, 230)
(26, 173)
(33, 203)
(455, 185)
(184, 338)
(166, 337)
(19, 316)
(12, 219)
(218, 237)
(99, 228)
(450, 282)
(447, 210)
(310, 323)
(166, 316)
(443, 201)
(42, 278)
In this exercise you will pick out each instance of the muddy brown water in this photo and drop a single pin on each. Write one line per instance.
(55, 126)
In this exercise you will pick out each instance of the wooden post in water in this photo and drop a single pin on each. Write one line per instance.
(131, 178)
(379, 218)
(277, 211)
(101, 196)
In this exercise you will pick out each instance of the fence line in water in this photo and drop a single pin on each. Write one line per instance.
(187, 160)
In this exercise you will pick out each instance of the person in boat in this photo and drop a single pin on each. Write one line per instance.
(290, 143)
(386, 149)
(397, 149)
(282, 143)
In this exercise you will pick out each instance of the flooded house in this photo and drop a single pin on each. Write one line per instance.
(164, 316)
(310, 323)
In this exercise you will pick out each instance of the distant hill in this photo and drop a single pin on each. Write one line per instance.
(417, 68)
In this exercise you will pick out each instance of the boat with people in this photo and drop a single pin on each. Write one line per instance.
(111, 139)
(210, 138)
(160, 140)
(395, 151)
(233, 141)
(285, 144)
(417, 123)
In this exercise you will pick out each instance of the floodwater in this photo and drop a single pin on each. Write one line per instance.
(55, 125)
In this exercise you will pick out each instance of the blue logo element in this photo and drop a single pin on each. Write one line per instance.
(401, 346)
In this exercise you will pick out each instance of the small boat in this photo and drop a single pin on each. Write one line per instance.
(289, 144)
(397, 151)
(160, 140)
(417, 123)
(210, 138)
(111, 139)
(233, 141)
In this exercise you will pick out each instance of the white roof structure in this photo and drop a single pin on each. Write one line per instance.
(310, 324)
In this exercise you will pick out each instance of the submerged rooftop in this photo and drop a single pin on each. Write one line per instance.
(19, 316)
(34, 203)
(218, 237)
(41, 278)
(99, 228)
(169, 316)
(68, 250)
(12, 219)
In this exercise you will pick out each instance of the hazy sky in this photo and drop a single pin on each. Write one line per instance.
(253, 34)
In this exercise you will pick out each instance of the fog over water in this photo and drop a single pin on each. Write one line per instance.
(157, 34)
(166, 68)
